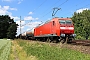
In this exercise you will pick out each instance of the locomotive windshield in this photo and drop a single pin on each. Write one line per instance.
(65, 21)
(62, 21)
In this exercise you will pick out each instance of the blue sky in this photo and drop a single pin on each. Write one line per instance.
(32, 12)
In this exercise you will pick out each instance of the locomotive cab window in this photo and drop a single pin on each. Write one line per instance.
(65, 21)
(68, 22)
(53, 23)
(62, 21)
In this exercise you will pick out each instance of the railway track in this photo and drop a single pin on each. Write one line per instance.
(78, 42)
(74, 42)
(81, 42)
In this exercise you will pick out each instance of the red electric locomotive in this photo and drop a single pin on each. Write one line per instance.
(57, 29)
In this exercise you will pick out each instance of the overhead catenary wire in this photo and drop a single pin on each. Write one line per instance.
(47, 9)
(57, 6)
(79, 8)
(39, 6)
(77, 5)
(51, 10)
(62, 3)
(33, 11)
(52, 5)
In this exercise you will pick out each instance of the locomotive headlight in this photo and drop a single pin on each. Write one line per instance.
(71, 28)
(62, 27)
(73, 35)
(62, 35)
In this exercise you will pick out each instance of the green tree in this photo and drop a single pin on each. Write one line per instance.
(12, 31)
(82, 23)
(5, 24)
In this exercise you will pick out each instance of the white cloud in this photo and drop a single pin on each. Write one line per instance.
(13, 9)
(4, 10)
(32, 25)
(81, 10)
(36, 18)
(16, 18)
(30, 13)
(0, 6)
(6, 7)
(30, 18)
(19, 1)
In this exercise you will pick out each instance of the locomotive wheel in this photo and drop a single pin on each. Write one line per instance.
(70, 41)
(48, 40)
(44, 39)
(54, 41)
(36, 39)
(62, 41)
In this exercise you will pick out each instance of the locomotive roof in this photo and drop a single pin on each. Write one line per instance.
(61, 19)
(56, 18)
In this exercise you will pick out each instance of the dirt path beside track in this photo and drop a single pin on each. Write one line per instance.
(82, 46)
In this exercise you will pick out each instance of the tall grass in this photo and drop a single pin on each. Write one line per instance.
(47, 52)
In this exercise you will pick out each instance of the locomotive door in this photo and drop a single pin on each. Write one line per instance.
(53, 27)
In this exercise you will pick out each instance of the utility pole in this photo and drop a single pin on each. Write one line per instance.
(20, 26)
(53, 14)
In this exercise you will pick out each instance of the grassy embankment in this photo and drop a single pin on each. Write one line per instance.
(5, 47)
(30, 50)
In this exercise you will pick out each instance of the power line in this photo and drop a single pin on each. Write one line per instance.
(49, 11)
(83, 6)
(62, 3)
(26, 24)
(52, 5)
(33, 11)
(40, 5)
(77, 5)
(36, 9)
(58, 6)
